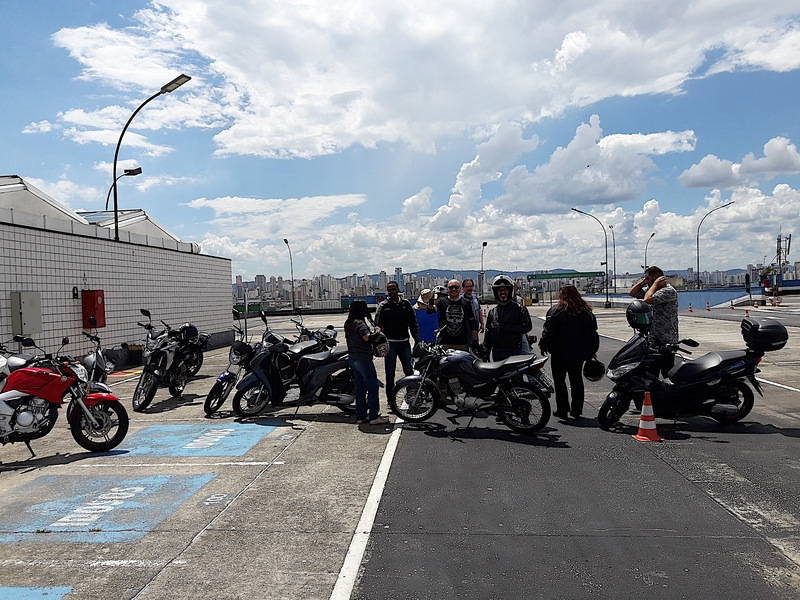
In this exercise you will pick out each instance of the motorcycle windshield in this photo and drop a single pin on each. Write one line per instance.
(634, 350)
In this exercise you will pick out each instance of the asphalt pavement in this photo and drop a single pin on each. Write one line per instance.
(307, 504)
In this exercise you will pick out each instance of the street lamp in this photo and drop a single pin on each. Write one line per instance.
(605, 235)
(170, 87)
(480, 291)
(698, 239)
(125, 173)
(291, 268)
(645, 265)
(614, 255)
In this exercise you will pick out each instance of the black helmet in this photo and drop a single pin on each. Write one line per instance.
(639, 315)
(189, 333)
(503, 281)
(593, 369)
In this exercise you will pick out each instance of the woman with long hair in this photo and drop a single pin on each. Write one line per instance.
(570, 336)
(360, 359)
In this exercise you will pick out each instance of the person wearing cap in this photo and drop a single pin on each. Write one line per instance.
(422, 301)
(458, 327)
(396, 318)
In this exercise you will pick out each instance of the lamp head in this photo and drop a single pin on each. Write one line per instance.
(175, 84)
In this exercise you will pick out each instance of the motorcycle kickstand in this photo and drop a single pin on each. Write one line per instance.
(28, 444)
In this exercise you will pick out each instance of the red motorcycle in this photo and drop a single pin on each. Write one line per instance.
(32, 388)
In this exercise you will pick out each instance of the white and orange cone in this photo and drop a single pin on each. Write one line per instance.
(647, 423)
(707, 306)
(690, 307)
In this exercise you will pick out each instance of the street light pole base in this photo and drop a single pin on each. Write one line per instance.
(606, 304)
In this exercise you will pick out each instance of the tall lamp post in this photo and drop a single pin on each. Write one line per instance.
(166, 89)
(645, 265)
(614, 256)
(125, 173)
(291, 268)
(605, 235)
(698, 238)
(480, 291)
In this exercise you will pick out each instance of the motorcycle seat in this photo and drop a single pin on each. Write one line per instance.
(693, 369)
(17, 361)
(300, 347)
(492, 369)
(312, 361)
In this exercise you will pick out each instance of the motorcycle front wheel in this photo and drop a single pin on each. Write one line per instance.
(216, 397)
(414, 401)
(176, 387)
(145, 391)
(194, 361)
(112, 427)
(612, 409)
(250, 402)
(527, 410)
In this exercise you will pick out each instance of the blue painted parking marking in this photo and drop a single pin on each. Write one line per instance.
(101, 509)
(225, 439)
(33, 593)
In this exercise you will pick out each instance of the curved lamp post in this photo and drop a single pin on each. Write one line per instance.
(480, 291)
(291, 268)
(645, 265)
(605, 235)
(125, 173)
(166, 89)
(698, 238)
(614, 256)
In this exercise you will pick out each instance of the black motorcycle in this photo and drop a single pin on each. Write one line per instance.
(171, 358)
(713, 385)
(474, 386)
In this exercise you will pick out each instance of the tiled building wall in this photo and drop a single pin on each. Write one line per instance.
(174, 285)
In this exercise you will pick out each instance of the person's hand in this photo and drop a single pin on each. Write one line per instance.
(660, 282)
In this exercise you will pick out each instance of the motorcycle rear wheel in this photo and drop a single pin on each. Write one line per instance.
(414, 401)
(250, 402)
(112, 419)
(612, 410)
(746, 402)
(217, 396)
(194, 361)
(176, 387)
(529, 411)
(145, 391)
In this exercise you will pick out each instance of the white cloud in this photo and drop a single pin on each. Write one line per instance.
(43, 126)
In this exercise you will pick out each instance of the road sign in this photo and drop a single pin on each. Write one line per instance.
(566, 275)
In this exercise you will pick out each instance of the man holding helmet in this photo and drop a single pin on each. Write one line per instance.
(507, 322)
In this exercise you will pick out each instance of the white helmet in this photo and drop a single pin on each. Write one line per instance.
(503, 281)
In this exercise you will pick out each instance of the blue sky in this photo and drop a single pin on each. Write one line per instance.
(376, 135)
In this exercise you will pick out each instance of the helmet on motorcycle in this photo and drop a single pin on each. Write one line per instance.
(593, 369)
(639, 315)
(189, 333)
(503, 281)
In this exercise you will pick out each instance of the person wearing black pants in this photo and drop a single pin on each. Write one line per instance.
(570, 336)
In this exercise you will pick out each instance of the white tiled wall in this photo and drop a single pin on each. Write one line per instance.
(176, 286)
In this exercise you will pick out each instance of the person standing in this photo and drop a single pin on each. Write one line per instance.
(467, 289)
(570, 336)
(396, 318)
(457, 325)
(357, 334)
(664, 300)
(507, 323)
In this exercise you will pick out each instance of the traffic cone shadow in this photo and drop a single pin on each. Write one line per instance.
(647, 423)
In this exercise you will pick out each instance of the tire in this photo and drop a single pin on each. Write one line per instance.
(746, 402)
(414, 401)
(250, 402)
(194, 362)
(217, 396)
(176, 387)
(113, 421)
(529, 409)
(145, 391)
(612, 410)
(342, 384)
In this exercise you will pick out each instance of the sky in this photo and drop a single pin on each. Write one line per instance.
(375, 135)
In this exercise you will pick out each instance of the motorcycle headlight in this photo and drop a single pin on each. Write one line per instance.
(620, 371)
(80, 371)
(234, 357)
(109, 367)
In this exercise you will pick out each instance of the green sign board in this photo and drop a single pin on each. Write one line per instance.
(565, 275)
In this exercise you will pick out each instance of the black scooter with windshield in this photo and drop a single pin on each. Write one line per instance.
(713, 385)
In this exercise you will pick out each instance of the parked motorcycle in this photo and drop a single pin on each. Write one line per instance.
(239, 357)
(171, 357)
(99, 363)
(32, 388)
(712, 385)
(474, 386)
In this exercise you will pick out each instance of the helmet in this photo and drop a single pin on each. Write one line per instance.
(503, 281)
(639, 315)
(439, 291)
(189, 333)
(593, 369)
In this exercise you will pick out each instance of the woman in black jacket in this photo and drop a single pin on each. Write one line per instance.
(570, 336)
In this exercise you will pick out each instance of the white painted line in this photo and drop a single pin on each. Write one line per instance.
(117, 465)
(780, 385)
(355, 553)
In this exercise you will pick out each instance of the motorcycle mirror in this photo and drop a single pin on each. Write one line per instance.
(65, 341)
(298, 311)
(145, 312)
(330, 327)
(26, 341)
(92, 321)
(690, 342)
(236, 314)
(19, 338)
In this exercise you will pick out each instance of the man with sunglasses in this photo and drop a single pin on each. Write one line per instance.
(458, 327)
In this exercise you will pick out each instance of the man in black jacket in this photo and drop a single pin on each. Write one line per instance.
(507, 322)
(396, 319)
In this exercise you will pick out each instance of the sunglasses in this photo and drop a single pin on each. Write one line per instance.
(453, 287)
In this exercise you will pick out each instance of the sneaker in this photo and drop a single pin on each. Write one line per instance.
(362, 421)
(560, 415)
(379, 420)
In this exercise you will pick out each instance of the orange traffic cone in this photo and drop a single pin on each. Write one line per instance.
(647, 423)
(746, 313)
(690, 307)
(707, 306)
(732, 305)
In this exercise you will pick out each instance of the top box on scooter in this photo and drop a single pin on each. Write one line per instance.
(764, 335)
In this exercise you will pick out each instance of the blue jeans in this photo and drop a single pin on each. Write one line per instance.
(366, 388)
(401, 350)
